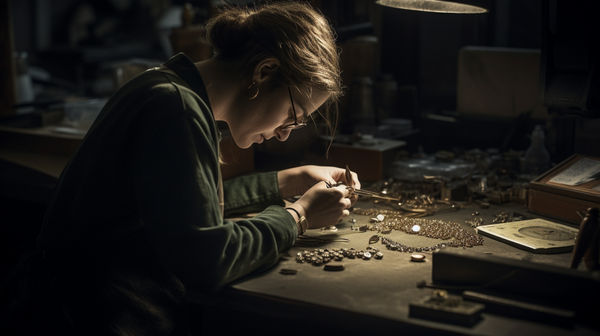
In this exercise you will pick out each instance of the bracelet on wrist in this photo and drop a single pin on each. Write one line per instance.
(294, 210)
(302, 223)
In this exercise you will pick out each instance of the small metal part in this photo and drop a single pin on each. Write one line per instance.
(476, 213)
(287, 271)
(374, 239)
(378, 255)
(334, 267)
(417, 257)
(367, 255)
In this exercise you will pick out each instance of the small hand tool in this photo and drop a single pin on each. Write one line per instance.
(367, 193)
(587, 244)
(349, 180)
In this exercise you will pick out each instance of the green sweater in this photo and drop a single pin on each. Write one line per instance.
(150, 163)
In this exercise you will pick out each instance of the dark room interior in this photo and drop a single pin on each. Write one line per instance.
(471, 119)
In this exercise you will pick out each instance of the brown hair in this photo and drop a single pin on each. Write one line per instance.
(294, 33)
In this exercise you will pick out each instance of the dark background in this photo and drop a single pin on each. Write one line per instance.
(419, 49)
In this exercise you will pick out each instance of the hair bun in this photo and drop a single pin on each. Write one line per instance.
(229, 30)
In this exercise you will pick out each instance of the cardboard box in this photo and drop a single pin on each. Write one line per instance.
(561, 201)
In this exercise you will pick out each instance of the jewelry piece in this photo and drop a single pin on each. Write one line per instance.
(286, 271)
(257, 89)
(501, 217)
(331, 228)
(318, 257)
(475, 222)
(302, 222)
(453, 234)
(417, 257)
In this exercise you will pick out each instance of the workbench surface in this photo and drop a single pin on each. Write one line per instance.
(374, 295)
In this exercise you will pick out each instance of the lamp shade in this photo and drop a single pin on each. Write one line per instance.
(440, 6)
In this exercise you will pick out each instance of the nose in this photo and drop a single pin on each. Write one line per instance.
(282, 134)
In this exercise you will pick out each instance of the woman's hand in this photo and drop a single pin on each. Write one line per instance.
(323, 206)
(296, 181)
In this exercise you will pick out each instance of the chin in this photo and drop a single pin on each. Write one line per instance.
(248, 143)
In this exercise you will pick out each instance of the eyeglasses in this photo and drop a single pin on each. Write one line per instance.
(295, 124)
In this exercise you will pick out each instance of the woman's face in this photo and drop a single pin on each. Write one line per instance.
(265, 116)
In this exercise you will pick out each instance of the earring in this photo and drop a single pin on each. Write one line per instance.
(256, 94)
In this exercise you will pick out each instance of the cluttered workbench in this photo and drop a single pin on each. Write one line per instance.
(365, 275)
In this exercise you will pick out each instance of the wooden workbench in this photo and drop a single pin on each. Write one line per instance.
(369, 295)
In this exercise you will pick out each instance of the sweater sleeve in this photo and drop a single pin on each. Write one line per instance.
(176, 180)
(251, 193)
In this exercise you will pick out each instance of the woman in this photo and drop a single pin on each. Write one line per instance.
(137, 216)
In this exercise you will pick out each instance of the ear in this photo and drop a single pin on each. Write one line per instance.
(265, 69)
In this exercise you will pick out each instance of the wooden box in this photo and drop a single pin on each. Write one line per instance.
(561, 201)
(370, 161)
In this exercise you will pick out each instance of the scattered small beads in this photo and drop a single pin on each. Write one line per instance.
(319, 257)
(388, 220)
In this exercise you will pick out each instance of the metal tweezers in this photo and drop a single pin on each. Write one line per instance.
(360, 192)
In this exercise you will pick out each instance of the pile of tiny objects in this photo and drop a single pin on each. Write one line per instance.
(319, 257)
(386, 221)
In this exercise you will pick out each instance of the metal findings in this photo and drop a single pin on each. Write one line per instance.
(417, 257)
(475, 222)
(287, 271)
(318, 257)
(362, 228)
